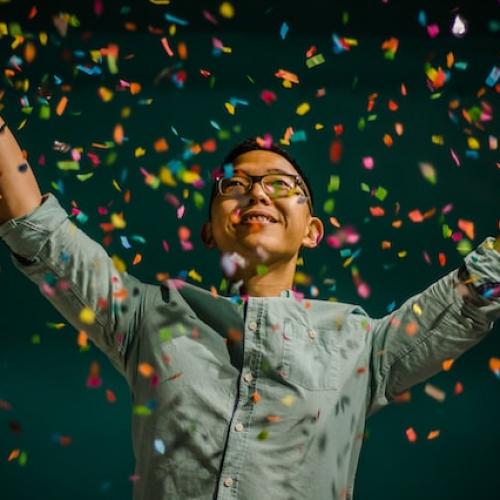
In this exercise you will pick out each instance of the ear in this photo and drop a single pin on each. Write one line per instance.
(206, 235)
(314, 233)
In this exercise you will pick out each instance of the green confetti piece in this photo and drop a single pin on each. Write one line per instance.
(315, 61)
(334, 183)
(165, 335)
(381, 193)
(44, 113)
(447, 232)
(365, 187)
(464, 247)
(263, 435)
(329, 205)
(261, 269)
(198, 199)
(35, 339)
(361, 124)
(372, 118)
(142, 410)
(23, 458)
(84, 177)
(68, 165)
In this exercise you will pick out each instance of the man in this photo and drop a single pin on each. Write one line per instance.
(258, 394)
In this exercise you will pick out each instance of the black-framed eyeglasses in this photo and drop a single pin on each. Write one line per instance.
(275, 185)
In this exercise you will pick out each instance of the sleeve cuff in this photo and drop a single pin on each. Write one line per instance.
(26, 235)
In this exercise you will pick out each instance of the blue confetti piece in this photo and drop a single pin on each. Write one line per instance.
(94, 70)
(82, 217)
(298, 135)
(228, 170)
(391, 306)
(493, 77)
(422, 18)
(215, 125)
(57, 80)
(470, 153)
(176, 20)
(159, 446)
(284, 30)
(345, 252)
(138, 239)
(80, 54)
(125, 242)
(234, 101)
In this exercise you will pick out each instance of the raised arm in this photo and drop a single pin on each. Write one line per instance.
(19, 191)
(440, 323)
(72, 271)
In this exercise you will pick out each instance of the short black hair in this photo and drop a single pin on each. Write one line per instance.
(253, 144)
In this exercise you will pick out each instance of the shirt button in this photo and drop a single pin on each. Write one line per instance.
(252, 325)
(228, 481)
(238, 427)
(248, 377)
(312, 334)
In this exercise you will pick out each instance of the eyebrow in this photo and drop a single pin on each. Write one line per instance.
(271, 171)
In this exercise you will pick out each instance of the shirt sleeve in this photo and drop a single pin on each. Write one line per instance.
(78, 277)
(442, 322)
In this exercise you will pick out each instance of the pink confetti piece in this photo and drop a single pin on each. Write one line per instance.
(455, 157)
(433, 30)
(180, 211)
(166, 46)
(368, 162)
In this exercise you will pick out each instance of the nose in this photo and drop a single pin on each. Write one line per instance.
(257, 194)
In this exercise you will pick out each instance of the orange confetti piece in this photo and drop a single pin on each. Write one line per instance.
(61, 105)
(82, 339)
(210, 145)
(411, 434)
(393, 105)
(110, 396)
(118, 134)
(29, 52)
(274, 418)
(447, 364)
(334, 222)
(442, 259)
(256, 397)
(182, 51)
(450, 60)
(495, 365)
(411, 328)
(161, 145)
(388, 141)
(459, 388)
(145, 369)
(467, 227)
(435, 392)
(126, 196)
(137, 259)
(184, 233)
(287, 75)
(377, 211)
(386, 245)
(416, 215)
(397, 223)
(403, 397)
(433, 435)
(398, 127)
(13, 455)
(135, 88)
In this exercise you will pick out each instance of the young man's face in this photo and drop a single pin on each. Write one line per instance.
(260, 242)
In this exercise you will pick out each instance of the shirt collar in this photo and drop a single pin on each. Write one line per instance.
(235, 289)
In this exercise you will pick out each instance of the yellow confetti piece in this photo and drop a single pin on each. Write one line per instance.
(138, 152)
(87, 316)
(105, 94)
(417, 309)
(226, 10)
(119, 264)
(195, 276)
(229, 107)
(118, 221)
(117, 186)
(473, 143)
(318, 126)
(303, 108)
(288, 400)
(437, 139)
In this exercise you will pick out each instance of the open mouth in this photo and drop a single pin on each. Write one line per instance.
(257, 219)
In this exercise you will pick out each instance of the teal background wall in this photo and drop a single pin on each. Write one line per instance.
(73, 442)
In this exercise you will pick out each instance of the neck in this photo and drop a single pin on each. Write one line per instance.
(278, 277)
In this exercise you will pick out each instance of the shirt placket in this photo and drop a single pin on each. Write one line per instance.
(241, 419)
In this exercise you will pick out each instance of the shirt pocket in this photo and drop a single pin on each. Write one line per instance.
(310, 357)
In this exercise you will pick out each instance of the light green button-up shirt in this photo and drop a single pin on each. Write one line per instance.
(247, 399)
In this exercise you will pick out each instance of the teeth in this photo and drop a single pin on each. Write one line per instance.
(257, 218)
